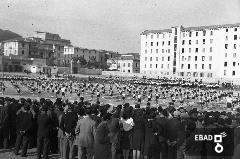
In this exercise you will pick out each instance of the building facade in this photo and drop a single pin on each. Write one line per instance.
(129, 64)
(16, 47)
(88, 54)
(193, 52)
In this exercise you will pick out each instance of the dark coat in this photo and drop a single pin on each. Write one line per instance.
(102, 147)
(24, 122)
(44, 125)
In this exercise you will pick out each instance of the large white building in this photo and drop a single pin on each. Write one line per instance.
(194, 52)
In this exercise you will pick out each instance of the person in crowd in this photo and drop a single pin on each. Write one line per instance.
(102, 146)
(127, 126)
(114, 129)
(138, 135)
(85, 133)
(44, 122)
(24, 123)
(68, 125)
(4, 124)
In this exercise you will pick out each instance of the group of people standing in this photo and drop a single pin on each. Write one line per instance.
(102, 132)
(93, 130)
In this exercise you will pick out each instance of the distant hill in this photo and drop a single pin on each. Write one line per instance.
(6, 35)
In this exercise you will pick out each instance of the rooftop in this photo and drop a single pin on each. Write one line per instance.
(192, 28)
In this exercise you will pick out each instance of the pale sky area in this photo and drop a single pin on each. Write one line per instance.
(112, 24)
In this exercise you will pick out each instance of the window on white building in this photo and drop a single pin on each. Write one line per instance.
(151, 43)
(145, 58)
(162, 43)
(150, 58)
(203, 49)
(146, 44)
(157, 43)
(210, 49)
(168, 42)
(202, 66)
(225, 64)
(196, 50)
(210, 66)
(234, 64)
(123, 64)
(145, 51)
(234, 46)
(235, 29)
(234, 55)
(182, 58)
(156, 58)
(162, 58)
(156, 65)
(211, 41)
(190, 34)
(151, 50)
(183, 42)
(225, 72)
(182, 50)
(157, 35)
(203, 41)
(211, 33)
(162, 66)
(189, 66)
(182, 66)
(168, 58)
(145, 66)
(210, 58)
(196, 33)
(196, 41)
(162, 50)
(189, 42)
(151, 36)
(190, 50)
(129, 64)
(168, 66)
(226, 38)
(150, 65)
(195, 66)
(226, 30)
(225, 54)
(168, 50)
(195, 58)
(226, 46)
(204, 32)
(156, 50)
(233, 73)
(189, 58)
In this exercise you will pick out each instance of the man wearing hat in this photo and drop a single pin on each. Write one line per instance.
(68, 124)
(24, 124)
(43, 134)
(4, 125)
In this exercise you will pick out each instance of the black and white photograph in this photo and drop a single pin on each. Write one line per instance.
(119, 79)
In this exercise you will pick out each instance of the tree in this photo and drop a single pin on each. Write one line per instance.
(79, 60)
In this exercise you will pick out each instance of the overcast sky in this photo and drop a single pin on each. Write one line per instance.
(112, 24)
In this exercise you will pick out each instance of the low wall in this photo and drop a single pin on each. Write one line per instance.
(118, 73)
(62, 70)
(87, 71)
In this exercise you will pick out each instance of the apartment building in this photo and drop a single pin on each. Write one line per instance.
(129, 63)
(88, 54)
(195, 52)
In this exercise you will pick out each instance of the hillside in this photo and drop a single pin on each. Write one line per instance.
(6, 35)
